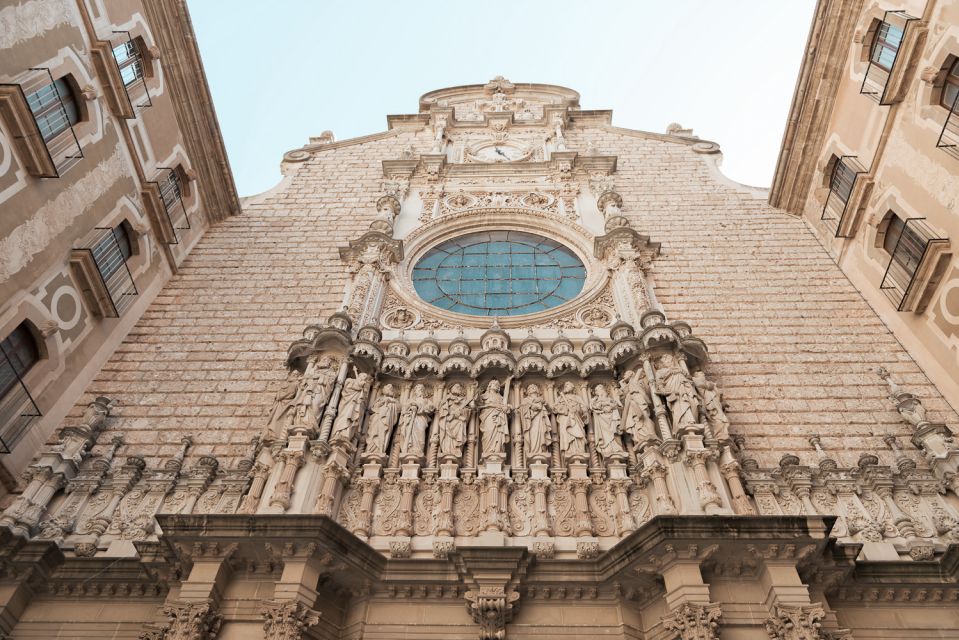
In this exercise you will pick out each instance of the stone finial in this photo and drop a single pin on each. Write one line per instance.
(825, 462)
(903, 463)
(676, 129)
(326, 137)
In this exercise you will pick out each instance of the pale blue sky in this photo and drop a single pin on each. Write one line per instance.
(284, 70)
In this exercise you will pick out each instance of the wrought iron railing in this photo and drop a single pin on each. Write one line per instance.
(884, 53)
(171, 194)
(842, 181)
(129, 60)
(53, 123)
(104, 247)
(949, 136)
(17, 407)
(907, 257)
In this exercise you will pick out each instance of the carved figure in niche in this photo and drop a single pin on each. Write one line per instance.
(534, 419)
(383, 416)
(612, 209)
(315, 389)
(454, 414)
(606, 422)
(713, 405)
(571, 416)
(284, 406)
(401, 318)
(413, 422)
(637, 408)
(493, 422)
(679, 391)
(351, 407)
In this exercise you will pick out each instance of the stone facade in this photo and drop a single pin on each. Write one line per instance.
(895, 126)
(106, 126)
(717, 437)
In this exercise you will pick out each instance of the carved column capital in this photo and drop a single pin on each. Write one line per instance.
(287, 620)
(695, 621)
(796, 622)
(191, 621)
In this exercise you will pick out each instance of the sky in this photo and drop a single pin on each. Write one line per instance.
(285, 70)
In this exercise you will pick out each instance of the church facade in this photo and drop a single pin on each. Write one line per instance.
(504, 370)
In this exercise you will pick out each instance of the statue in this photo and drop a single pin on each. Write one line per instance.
(351, 407)
(314, 392)
(493, 422)
(680, 393)
(413, 422)
(383, 416)
(284, 406)
(534, 419)
(454, 414)
(606, 422)
(571, 416)
(637, 408)
(713, 405)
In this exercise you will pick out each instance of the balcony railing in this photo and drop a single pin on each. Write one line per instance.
(842, 182)
(41, 127)
(17, 407)
(884, 52)
(171, 195)
(103, 267)
(130, 64)
(912, 266)
(949, 136)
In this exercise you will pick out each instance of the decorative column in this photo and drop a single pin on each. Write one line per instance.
(695, 621)
(709, 500)
(540, 516)
(444, 521)
(365, 517)
(123, 480)
(624, 517)
(627, 256)
(655, 471)
(408, 486)
(258, 475)
(732, 473)
(288, 620)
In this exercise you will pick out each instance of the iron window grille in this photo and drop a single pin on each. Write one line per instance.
(54, 124)
(949, 136)
(130, 64)
(18, 409)
(842, 181)
(171, 194)
(916, 240)
(884, 53)
(109, 253)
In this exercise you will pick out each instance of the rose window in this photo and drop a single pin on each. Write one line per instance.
(498, 273)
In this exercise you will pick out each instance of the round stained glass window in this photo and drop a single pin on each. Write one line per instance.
(498, 273)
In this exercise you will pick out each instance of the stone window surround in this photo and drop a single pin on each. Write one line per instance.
(861, 49)
(934, 67)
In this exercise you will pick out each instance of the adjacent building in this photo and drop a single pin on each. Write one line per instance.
(870, 160)
(111, 169)
(503, 370)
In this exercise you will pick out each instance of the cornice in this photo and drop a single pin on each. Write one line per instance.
(810, 112)
(193, 106)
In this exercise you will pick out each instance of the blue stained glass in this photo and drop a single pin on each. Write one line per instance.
(499, 273)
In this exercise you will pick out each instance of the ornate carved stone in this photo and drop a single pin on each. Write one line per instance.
(795, 622)
(491, 609)
(695, 621)
(287, 620)
(191, 621)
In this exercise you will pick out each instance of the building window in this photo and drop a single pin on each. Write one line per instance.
(100, 265)
(916, 253)
(885, 45)
(134, 68)
(949, 99)
(170, 189)
(40, 113)
(883, 50)
(19, 352)
(499, 273)
(842, 179)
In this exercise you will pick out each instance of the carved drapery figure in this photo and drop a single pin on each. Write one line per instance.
(314, 391)
(534, 418)
(606, 422)
(453, 416)
(414, 421)
(637, 408)
(571, 416)
(350, 411)
(679, 391)
(493, 422)
(713, 406)
(284, 406)
(383, 416)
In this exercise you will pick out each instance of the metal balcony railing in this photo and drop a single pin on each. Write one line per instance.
(171, 194)
(911, 248)
(111, 265)
(130, 64)
(17, 407)
(841, 183)
(53, 123)
(883, 54)
(949, 136)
